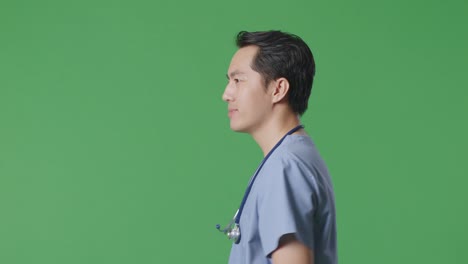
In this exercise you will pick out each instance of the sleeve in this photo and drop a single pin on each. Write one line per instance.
(287, 205)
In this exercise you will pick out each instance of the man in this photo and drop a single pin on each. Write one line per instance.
(288, 211)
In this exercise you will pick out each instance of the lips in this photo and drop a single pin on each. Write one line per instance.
(231, 112)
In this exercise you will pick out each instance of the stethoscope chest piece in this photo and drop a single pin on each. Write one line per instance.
(232, 230)
(235, 234)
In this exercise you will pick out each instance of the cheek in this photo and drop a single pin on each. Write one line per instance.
(258, 105)
(253, 97)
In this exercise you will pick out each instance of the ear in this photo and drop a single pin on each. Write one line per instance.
(280, 89)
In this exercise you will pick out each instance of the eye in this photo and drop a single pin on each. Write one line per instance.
(236, 80)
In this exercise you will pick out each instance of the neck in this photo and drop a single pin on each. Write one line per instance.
(271, 132)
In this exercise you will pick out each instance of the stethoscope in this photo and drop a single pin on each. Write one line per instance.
(232, 230)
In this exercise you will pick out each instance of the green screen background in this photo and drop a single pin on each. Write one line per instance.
(115, 144)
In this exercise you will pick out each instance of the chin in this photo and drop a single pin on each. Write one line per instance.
(238, 128)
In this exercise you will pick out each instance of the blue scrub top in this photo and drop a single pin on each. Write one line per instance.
(293, 193)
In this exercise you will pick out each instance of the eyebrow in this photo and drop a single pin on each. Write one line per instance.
(234, 73)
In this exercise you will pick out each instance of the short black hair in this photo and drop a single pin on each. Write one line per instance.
(284, 55)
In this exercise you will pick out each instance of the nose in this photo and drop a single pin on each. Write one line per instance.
(228, 94)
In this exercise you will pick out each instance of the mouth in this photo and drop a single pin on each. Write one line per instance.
(231, 112)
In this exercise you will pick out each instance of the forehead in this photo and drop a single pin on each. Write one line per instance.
(242, 59)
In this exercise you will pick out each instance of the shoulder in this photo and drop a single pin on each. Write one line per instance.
(295, 158)
(296, 150)
(295, 165)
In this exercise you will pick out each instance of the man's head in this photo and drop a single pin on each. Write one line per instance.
(283, 55)
(270, 67)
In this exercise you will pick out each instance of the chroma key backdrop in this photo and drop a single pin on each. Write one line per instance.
(115, 144)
